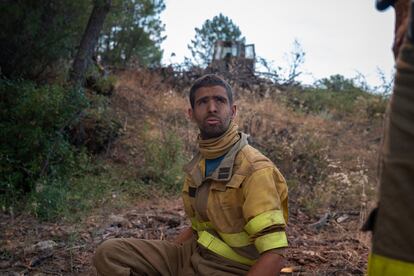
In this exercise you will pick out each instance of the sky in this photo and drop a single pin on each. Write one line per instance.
(339, 37)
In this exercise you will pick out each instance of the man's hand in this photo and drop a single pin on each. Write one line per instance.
(184, 236)
(269, 263)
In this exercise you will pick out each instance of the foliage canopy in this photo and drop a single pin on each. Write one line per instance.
(337, 83)
(133, 32)
(40, 38)
(36, 35)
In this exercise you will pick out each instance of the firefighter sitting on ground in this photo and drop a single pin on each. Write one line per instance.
(235, 198)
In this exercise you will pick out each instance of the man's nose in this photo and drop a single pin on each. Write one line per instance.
(212, 108)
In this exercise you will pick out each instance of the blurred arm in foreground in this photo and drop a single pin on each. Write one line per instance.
(393, 239)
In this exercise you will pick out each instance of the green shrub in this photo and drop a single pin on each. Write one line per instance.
(34, 146)
(49, 199)
(105, 85)
(38, 35)
(335, 97)
(97, 81)
(164, 159)
(337, 104)
(97, 128)
(374, 106)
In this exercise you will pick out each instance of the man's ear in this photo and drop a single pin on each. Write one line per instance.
(190, 113)
(233, 111)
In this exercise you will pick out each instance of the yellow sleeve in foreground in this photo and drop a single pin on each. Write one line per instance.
(383, 266)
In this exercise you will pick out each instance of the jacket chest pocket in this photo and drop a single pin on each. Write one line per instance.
(225, 205)
(188, 200)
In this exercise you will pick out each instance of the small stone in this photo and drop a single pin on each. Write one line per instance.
(4, 264)
(119, 221)
(342, 218)
(42, 246)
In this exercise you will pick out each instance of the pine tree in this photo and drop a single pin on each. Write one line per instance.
(133, 30)
(89, 41)
(219, 28)
(37, 35)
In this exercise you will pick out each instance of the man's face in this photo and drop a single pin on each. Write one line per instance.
(212, 111)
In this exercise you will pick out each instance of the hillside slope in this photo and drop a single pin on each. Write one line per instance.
(328, 157)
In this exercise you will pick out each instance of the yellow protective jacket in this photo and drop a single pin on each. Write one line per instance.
(240, 210)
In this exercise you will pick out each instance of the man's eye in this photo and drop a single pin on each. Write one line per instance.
(203, 101)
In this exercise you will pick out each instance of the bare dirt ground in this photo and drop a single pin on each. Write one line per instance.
(328, 244)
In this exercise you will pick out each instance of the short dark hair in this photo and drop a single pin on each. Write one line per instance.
(208, 81)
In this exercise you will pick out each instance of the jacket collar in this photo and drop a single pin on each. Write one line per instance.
(223, 172)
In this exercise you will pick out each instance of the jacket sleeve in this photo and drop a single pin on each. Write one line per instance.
(265, 209)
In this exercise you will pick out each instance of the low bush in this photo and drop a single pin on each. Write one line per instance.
(164, 158)
(99, 81)
(35, 152)
(97, 128)
(336, 104)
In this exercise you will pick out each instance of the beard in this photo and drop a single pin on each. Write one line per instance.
(208, 131)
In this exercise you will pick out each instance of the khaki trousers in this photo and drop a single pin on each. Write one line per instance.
(153, 257)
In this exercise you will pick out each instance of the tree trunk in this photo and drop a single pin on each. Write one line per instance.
(89, 41)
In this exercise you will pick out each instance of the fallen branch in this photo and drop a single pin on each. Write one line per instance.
(39, 259)
(321, 222)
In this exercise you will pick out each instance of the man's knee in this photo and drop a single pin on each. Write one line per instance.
(106, 248)
(107, 253)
